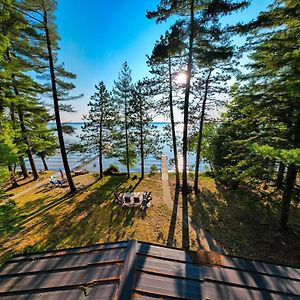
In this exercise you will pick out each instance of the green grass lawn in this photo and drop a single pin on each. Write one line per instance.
(245, 222)
(48, 218)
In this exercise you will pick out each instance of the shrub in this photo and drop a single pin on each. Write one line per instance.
(9, 217)
(111, 170)
(29, 249)
(153, 169)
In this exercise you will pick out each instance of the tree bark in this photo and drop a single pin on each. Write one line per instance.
(1, 107)
(13, 120)
(13, 179)
(28, 150)
(126, 139)
(23, 130)
(56, 108)
(200, 132)
(142, 142)
(32, 165)
(44, 162)
(21, 159)
(23, 167)
(287, 196)
(100, 148)
(186, 101)
(173, 125)
(280, 175)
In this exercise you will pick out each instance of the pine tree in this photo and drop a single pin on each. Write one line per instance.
(192, 14)
(276, 79)
(140, 120)
(234, 160)
(30, 35)
(122, 93)
(214, 62)
(165, 63)
(8, 152)
(18, 59)
(97, 128)
(59, 88)
(43, 139)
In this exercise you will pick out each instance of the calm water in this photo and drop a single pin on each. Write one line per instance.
(77, 159)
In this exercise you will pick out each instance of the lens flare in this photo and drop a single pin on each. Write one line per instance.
(181, 78)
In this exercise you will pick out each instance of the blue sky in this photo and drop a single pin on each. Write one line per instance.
(97, 36)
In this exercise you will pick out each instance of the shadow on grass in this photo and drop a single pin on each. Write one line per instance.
(92, 219)
(245, 222)
(65, 199)
(136, 185)
(11, 188)
(171, 242)
(9, 219)
(33, 204)
(185, 221)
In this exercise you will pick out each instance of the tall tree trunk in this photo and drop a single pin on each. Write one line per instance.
(200, 132)
(142, 142)
(23, 167)
(28, 150)
(126, 138)
(56, 109)
(21, 159)
(44, 162)
(173, 124)
(1, 104)
(100, 150)
(32, 165)
(1, 107)
(186, 101)
(13, 179)
(23, 130)
(287, 196)
(280, 175)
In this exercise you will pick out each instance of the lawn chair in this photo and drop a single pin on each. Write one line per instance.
(119, 199)
(53, 181)
(136, 200)
(145, 203)
(61, 182)
(127, 200)
(147, 198)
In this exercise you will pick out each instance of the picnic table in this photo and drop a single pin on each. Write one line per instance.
(134, 199)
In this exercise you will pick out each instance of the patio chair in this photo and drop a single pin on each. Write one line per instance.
(136, 200)
(118, 198)
(61, 182)
(147, 197)
(53, 181)
(127, 199)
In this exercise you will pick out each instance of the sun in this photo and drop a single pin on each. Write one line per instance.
(181, 78)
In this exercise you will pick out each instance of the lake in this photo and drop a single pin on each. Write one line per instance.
(77, 159)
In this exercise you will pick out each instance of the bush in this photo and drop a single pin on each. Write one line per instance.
(111, 170)
(29, 249)
(9, 217)
(153, 169)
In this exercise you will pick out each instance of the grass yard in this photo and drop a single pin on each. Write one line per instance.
(25, 184)
(245, 222)
(49, 218)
